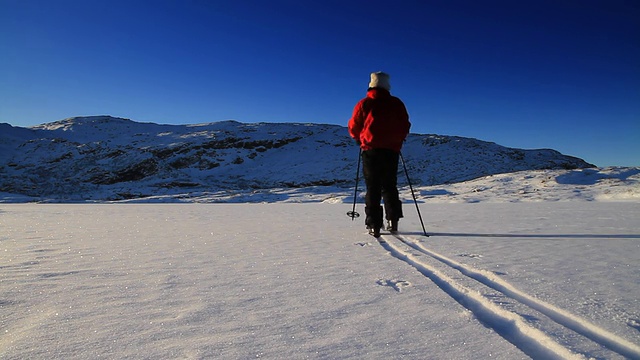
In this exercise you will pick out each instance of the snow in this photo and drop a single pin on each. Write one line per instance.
(498, 278)
(102, 158)
(538, 264)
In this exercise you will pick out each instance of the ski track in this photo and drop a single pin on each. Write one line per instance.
(560, 316)
(509, 325)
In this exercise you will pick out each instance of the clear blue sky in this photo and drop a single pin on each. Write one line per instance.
(561, 74)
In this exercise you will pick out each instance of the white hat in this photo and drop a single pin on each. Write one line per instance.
(380, 80)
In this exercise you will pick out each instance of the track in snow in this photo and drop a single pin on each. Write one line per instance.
(511, 326)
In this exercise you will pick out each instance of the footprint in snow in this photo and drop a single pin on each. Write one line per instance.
(475, 256)
(397, 285)
(362, 243)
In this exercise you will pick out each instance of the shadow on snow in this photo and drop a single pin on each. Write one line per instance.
(532, 236)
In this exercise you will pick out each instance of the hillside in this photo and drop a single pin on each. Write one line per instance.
(106, 158)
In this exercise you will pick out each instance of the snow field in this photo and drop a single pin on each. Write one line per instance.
(197, 281)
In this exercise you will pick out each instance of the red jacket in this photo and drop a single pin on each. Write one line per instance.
(380, 120)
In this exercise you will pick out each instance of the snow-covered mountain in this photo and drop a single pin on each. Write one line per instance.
(107, 158)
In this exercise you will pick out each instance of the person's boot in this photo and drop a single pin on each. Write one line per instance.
(375, 232)
(375, 222)
(392, 225)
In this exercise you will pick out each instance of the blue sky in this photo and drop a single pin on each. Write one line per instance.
(560, 74)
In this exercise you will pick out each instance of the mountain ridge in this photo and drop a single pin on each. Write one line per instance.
(107, 158)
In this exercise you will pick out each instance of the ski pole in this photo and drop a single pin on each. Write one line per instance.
(353, 213)
(413, 195)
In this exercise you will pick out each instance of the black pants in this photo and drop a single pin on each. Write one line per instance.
(380, 168)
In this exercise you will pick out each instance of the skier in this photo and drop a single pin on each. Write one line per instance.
(380, 124)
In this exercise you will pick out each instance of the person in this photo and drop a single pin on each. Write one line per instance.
(380, 124)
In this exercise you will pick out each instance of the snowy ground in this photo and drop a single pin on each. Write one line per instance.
(539, 264)
(542, 280)
(593, 184)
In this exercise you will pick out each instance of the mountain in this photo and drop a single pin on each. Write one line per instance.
(106, 158)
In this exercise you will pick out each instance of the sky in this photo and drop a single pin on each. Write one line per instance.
(560, 74)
